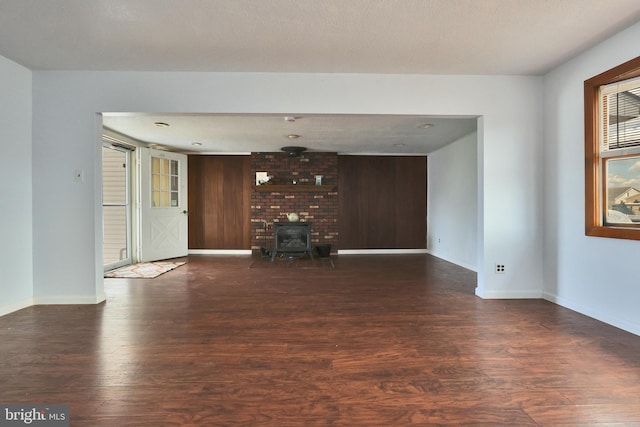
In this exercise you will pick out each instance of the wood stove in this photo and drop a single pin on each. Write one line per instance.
(291, 238)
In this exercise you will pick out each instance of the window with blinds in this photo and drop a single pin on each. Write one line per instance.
(620, 152)
(620, 118)
(612, 152)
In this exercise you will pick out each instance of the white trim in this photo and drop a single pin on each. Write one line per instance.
(380, 251)
(624, 324)
(220, 252)
(452, 261)
(100, 297)
(10, 308)
(216, 153)
(111, 135)
(69, 299)
(507, 294)
(385, 154)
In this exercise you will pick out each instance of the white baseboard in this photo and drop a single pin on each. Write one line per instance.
(380, 251)
(61, 300)
(220, 252)
(101, 297)
(15, 306)
(509, 294)
(623, 324)
(68, 299)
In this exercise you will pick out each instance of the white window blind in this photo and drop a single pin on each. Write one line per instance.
(620, 115)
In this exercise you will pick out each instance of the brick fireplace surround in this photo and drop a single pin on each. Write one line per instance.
(319, 205)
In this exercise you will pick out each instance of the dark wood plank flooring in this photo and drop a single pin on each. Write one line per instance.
(376, 341)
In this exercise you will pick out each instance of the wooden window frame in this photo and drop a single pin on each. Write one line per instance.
(594, 176)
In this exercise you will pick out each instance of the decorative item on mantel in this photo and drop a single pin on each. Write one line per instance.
(293, 217)
(263, 178)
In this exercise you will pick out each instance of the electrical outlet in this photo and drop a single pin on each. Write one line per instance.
(499, 268)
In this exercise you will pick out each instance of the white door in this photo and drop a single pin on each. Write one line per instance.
(163, 205)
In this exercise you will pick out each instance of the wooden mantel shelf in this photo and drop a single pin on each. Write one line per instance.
(273, 188)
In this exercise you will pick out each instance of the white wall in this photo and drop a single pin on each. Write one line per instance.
(67, 256)
(452, 202)
(16, 266)
(593, 275)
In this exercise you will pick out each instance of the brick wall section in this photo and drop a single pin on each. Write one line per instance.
(320, 208)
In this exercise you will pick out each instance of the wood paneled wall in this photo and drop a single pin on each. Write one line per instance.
(382, 202)
(219, 202)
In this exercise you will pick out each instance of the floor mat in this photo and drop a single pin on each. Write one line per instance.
(144, 270)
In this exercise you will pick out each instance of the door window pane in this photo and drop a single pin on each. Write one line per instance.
(155, 199)
(164, 199)
(165, 183)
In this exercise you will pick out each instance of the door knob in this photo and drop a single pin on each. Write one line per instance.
(185, 212)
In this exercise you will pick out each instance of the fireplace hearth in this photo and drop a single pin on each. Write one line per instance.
(292, 238)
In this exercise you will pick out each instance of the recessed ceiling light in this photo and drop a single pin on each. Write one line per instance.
(293, 136)
(196, 144)
(425, 126)
(162, 124)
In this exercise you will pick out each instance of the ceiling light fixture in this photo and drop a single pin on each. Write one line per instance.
(293, 136)
(293, 151)
(196, 144)
(425, 126)
(289, 119)
(162, 124)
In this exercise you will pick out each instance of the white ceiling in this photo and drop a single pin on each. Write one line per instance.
(346, 36)
(346, 134)
(500, 37)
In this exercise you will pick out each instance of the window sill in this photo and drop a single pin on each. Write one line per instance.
(614, 232)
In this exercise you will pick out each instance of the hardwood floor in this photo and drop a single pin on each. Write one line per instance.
(376, 341)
